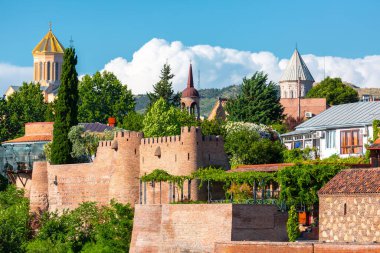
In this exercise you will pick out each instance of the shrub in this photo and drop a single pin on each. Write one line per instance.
(292, 226)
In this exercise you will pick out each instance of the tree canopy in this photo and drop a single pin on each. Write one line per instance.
(102, 96)
(66, 109)
(164, 88)
(258, 101)
(25, 105)
(335, 92)
(163, 119)
(133, 121)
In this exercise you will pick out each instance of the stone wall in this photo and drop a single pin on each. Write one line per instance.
(196, 227)
(349, 218)
(297, 247)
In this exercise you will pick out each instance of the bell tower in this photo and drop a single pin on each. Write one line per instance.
(48, 59)
(190, 96)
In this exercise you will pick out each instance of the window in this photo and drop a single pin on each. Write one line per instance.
(330, 139)
(56, 71)
(48, 71)
(345, 209)
(351, 142)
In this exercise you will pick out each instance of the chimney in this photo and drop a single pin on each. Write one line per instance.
(112, 121)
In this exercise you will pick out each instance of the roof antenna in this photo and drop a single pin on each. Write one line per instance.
(71, 41)
(50, 25)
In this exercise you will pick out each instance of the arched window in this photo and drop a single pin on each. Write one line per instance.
(48, 71)
(56, 71)
(41, 72)
(291, 94)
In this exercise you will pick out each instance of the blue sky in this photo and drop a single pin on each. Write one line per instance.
(105, 30)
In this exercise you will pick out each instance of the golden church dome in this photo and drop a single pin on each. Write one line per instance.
(49, 44)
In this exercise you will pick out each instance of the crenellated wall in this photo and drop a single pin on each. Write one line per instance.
(179, 155)
(115, 172)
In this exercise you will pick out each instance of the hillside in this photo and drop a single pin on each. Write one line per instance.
(208, 98)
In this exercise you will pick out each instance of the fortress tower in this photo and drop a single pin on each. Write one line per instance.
(296, 81)
(190, 96)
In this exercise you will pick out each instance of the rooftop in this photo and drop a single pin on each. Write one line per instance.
(353, 181)
(49, 44)
(296, 69)
(345, 115)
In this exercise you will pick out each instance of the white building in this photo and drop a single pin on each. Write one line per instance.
(342, 129)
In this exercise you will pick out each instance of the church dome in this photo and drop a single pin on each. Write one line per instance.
(49, 44)
(190, 92)
(296, 69)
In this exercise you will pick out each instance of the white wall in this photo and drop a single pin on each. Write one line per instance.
(327, 152)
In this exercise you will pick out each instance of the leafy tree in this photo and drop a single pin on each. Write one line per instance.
(292, 225)
(25, 105)
(66, 109)
(4, 121)
(164, 120)
(133, 121)
(164, 88)
(84, 144)
(89, 228)
(102, 96)
(212, 127)
(14, 219)
(258, 101)
(335, 92)
(50, 111)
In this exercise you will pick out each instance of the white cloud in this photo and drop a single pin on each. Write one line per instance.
(13, 75)
(223, 66)
(219, 66)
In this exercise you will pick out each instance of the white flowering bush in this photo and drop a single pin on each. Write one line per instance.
(263, 130)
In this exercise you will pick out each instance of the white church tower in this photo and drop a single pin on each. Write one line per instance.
(296, 80)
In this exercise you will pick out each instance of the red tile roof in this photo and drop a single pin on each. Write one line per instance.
(375, 145)
(353, 181)
(31, 138)
(262, 167)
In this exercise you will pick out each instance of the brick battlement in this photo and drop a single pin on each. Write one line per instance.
(115, 171)
(164, 139)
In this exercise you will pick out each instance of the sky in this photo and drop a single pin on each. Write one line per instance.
(224, 40)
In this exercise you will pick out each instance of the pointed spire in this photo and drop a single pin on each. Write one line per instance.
(296, 69)
(190, 82)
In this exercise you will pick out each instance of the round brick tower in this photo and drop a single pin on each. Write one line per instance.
(190, 96)
(124, 181)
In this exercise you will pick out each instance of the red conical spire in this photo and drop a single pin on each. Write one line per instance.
(190, 82)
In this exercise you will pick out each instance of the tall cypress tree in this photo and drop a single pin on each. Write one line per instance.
(66, 110)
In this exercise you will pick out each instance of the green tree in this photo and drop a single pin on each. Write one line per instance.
(84, 144)
(133, 121)
(88, 228)
(14, 220)
(4, 121)
(258, 101)
(102, 96)
(212, 127)
(164, 120)
(292, 225)
(66, 109)
(25, 105)
(164, 88)
(335, 92)
(247, 147)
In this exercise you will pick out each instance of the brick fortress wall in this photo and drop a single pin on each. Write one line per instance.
(179, 155)
(114, 173)
(196, 227)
